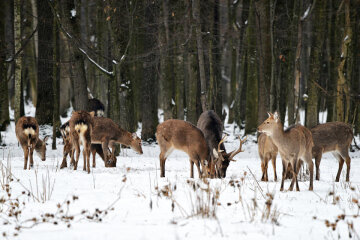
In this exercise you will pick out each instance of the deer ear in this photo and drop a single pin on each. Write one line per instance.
(269, 114)
(45, 139)
(92, 114)
(276, 116)
(215, 153)
(134, 136)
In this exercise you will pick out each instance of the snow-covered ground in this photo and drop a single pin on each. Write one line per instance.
(141, 205)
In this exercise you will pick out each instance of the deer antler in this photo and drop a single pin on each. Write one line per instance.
(233, 153)
(222, 140)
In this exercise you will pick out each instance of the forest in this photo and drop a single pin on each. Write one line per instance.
(184, 57)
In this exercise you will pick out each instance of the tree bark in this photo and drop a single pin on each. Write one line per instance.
(200, 53)
(149, 93)
(45, 102)
(4, 101)
(251, 117)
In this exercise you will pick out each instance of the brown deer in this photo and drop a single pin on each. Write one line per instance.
(212, 127)
(27, 133)
(81, 126)
(267, 150)
(106, 132)
(332, 137)
(184, 136)
(94, 148)
(294, 144)
(95, 105)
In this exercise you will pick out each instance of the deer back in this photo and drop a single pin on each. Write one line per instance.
(183, 136)
(332, 136)
(210, 124)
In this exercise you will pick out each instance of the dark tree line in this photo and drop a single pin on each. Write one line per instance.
(182, 57)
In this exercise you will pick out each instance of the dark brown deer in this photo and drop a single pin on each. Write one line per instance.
(94, 149)
(267, 150)
(27, 133)
(212, 127)
(95, 105)
(181, 135)
(81, 127)
(294, 144)
(106, 132)
(332, 137)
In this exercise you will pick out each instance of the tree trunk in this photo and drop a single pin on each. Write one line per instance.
(149, 93)
(200, 53)
(264, 53)
(45, 103)
(19, 97)
(342, 96)
(4, 101)
(251, 117)
(56, 85)
(10, 47)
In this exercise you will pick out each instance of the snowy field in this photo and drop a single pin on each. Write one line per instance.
(131, 201)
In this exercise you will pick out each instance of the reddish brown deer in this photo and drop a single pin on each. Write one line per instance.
(81, 126)
(267, 150)
(27, 133)
(332, 137)
(181, 135)
(106, 132)
(212, 127)
(294, 144)
(94, 149)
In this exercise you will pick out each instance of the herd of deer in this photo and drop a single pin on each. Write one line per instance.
(203, 143)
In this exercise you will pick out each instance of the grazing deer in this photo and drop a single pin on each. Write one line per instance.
(294, 144)
(106, 132)
(332, 137)
(210, 124)
(81, 126)
(181, 135)
(94, 105)
(267, 150)
(94, 148)
(27, 133)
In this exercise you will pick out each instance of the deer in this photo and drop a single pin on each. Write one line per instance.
(212, 127)
(81, 126)
(267, 150)
(184, 136)
(294, 144)
(94, 149)
(334, 137)
(95, 105)
(106, 132)
(27, 133)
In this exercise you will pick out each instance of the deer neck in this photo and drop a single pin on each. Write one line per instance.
(278, 135)
(124, 137)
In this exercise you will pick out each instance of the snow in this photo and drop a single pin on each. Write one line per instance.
(144, 209)
(94, 62)
(346, 38)
(306, 13)
(73, 12)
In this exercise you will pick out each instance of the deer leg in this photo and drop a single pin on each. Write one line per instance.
(77, 149)
(197, 162)
(341, 163)
(191, 169)
(88, 157)
(273, 161)
(93, 152)
(64, 163)
(162, 164)
(26, 155)
(104, 146)
(348, 162)
(311, 168)
(84, 156)
(263, 171)
(31, 158)
(282, 181)
(317, 165)
(345, 156)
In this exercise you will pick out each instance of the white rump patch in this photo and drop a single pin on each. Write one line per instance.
(81, 129)
(28, 131)
(100, 113)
